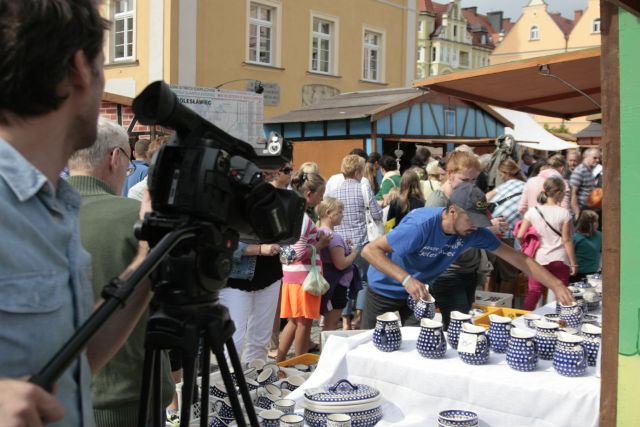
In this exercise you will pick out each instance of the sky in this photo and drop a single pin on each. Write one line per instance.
(513, 8)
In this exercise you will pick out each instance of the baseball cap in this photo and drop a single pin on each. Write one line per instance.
(470, 198)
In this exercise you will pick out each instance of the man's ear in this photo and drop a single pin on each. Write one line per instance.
(80, 70)
(114, 157)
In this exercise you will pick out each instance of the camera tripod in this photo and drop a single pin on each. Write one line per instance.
(183, 326)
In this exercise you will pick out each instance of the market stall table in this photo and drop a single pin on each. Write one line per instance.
(417, 389)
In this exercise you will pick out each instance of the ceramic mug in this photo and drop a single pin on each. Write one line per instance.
(387, 335)
(499, 327)
(424, 309)
(270, 417)
(272, 389)
(480, 353)
(258, 364)
(457, 319)
(522, 351)
(292, 383)
(338, 420)
(592, 336)
(530, 318)
(572, 314)
(267, 376)
(546, 337)
(287, 406)
(431, 342)
(266, 401)
(217, 421)
(570, 355)
(218, 390)
(291, 420)
(222, 408)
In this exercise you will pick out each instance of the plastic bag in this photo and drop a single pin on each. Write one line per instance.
(315, 283)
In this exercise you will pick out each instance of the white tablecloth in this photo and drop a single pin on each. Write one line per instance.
(416, 389)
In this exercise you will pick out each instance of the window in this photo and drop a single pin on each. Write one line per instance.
(450, 122)
(483, 39)
(596, 25)
(322, 46)
(464, 59)
(372, 54)
(123, 23)
(455, 31)
(434, 54)
(534, 33)
(420, 24)
(261, 33)
(421, 54)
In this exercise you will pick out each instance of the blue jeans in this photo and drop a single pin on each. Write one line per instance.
(356, 302)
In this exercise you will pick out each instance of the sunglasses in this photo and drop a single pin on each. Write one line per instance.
(286, 170)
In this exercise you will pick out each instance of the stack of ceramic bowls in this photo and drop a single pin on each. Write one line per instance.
(457, 418)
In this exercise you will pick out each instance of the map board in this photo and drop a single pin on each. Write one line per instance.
(236, 112)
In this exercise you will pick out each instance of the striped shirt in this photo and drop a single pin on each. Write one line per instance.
(508, 208)
(354, 226)
(297, 271)
(582, 178)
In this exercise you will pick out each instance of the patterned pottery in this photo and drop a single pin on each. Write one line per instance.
(499, 327)
(546, 338)
(522, 351)
(387, 335)
(457, 319)
(480, 354)
(457, 418)
(592, 336)
(431, 342)
(570, 356)
(361, 402)
(572, 314)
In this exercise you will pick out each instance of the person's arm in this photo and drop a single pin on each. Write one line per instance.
(568, 246)
(262, 250)
(375, 253)
(490, 195)
(26, 404)
(338, 258)
(531, 268)
(524, 200)
(374, 206)
(524, 226)
(575, 207)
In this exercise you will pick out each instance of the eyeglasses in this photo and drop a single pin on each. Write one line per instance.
(286, 170)
(132, 166)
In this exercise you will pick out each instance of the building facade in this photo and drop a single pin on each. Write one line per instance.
(301, 51)
(452, 38)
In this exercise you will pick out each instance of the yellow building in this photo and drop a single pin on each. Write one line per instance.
(301, 51)
(451, 38)
(539, 32)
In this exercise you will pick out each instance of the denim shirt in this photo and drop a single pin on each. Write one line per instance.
(243, 266)
(45, 291)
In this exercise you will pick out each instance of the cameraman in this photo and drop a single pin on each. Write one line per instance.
(51, 68)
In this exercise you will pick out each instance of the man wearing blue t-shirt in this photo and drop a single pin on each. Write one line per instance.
(425, 243)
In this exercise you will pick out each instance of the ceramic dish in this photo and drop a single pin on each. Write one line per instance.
(457, 418)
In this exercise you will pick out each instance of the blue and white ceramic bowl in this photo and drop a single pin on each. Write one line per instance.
(457, 418)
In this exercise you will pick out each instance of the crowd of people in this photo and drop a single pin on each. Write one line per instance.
(65, 238)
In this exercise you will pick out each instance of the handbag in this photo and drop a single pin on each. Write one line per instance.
(374, 229)
(315, 283)
(493, 205)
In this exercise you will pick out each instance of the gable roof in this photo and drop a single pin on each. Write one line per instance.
(565, 24)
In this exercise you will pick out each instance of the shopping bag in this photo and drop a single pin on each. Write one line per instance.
(315, 283)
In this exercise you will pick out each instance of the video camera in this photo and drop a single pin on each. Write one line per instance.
(206, 174)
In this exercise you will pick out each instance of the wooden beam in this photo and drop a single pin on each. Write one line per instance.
(632, 6)
(117, 99)
(557, 97)
(610, 77)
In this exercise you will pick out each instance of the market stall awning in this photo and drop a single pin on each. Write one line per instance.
(523, 86)
(527, 132)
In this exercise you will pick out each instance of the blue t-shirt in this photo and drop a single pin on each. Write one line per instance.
(421, 247)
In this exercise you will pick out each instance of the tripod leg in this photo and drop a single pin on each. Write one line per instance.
(228, 383)
(143, 409)
(205, 361)
(157, 390)
(189, 380)
(242, 384)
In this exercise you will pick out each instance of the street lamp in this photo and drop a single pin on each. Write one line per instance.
(257, 87)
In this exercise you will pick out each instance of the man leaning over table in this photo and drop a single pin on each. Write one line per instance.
(426, 242)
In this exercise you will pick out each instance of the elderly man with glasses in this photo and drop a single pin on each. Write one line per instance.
(106, 232)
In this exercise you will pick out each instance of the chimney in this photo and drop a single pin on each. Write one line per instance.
(495, 19)
(577, 15)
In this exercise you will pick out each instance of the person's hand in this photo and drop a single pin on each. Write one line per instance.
(417, 289)
(323, 240)
(563, 295)
(25, 404)
(499, 225)
(269, 250)
(573, 270)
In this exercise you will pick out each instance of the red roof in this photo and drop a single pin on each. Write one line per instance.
(565, 25)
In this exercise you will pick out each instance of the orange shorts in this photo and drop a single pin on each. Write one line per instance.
(297, 303)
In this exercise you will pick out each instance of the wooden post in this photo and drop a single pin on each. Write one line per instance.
(374, 136)
(610, 80)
